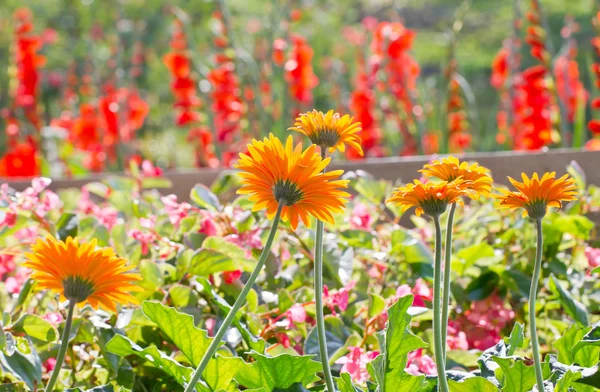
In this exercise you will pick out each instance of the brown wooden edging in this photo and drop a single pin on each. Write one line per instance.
(501, 164)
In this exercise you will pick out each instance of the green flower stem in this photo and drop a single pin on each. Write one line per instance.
(319, 305)
(532, 299)
(319, 299)
(447, 268)
(238, 302)
(64, 343)
(440, 363)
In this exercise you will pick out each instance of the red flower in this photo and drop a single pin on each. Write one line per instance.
(299, 70)
(568, 85)
(21, 160)
(227, 103)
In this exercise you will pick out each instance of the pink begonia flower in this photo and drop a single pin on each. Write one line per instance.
(146, 238)
(8, 218)
(40, 183)
(208, 226)
(593, 256)
(355, 363)
(14, 283)
(53, 318)
(210, 325)
(7, 264)
(47, 202)
(27, 235)
(456, 339)
(422, 292)
(107, 216)
(149, 170)
(49, 365)
(418, 363)
(360, 217)
(297, 314)
(176, 211)
(337, 298)
(249, 240)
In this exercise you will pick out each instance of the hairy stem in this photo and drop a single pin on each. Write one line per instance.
(440, 363)
(64, 343)
(447, 268)
(532, 300)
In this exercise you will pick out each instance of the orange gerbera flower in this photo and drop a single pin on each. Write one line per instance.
(430, 198)
(535, 195)
(476, 178)
(81, 272)
(330, 130)
(272, 172)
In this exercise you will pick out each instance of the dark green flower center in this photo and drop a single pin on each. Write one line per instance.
(77, 289)
(287, 190)
(434, 206)
(325, 138)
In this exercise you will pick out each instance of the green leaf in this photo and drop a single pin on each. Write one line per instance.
(376, 304)
(569, 383)
(153, 278)
(345, 384)
(101, 388)
(592, 338)
(572, 307)
(577, 225)
(182, 296)
(123, 346)
(36, 327)
(336, 335)
(572, 347)
(590, 377)
(219, 255)
(398, 342)
(358, 238)
(410, 248)
(281, 371)
(472, 384)
(516, 376)
(471, 254)
(204, 198)
(482, 286)
(515, 340)
(26, 367)
(180, 328)
(67, 226)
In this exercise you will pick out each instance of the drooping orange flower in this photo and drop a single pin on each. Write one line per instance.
(473, 176)
(272, 172)
(329, 130)
(536, 194)
(81, 272)
(430, 198)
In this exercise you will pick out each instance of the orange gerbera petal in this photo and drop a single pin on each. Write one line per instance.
(476, 178)
(430, 198)
(82, 272)
(536, 194)
(271, 172)
(330, 130)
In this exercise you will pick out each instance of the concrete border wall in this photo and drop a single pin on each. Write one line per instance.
(501, 164)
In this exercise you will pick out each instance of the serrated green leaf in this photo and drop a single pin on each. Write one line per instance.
(180, 328)
(472, 384)
(398, 342)
(515, 340)
(182, 296)
(152, 277)
(575, 309)
(219, 255)
(345, 384)
(123, 346)
(26, 367)
(281, 371)
(376, 304)
(36, 327)
(591, 338)
(571, 352)
(516, 376)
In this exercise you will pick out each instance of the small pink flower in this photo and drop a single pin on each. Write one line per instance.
(360, 217)
(14, 283)
(456, 339)
(297, 314)
(337, 298)
(418, 363)
(355, 363)
(7, 264)
(422, 292)
(149, 170)
(208, 227)
(27, 235)
(593, 256)
(49, 365)
(53, 318)
(8, 218)
(176, 211)
(210, 325)
(40, 183)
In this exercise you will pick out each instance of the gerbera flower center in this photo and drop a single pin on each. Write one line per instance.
(325, 137)
(287, 190)
(77, 289)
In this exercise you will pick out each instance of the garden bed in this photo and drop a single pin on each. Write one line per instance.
(502, 164)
